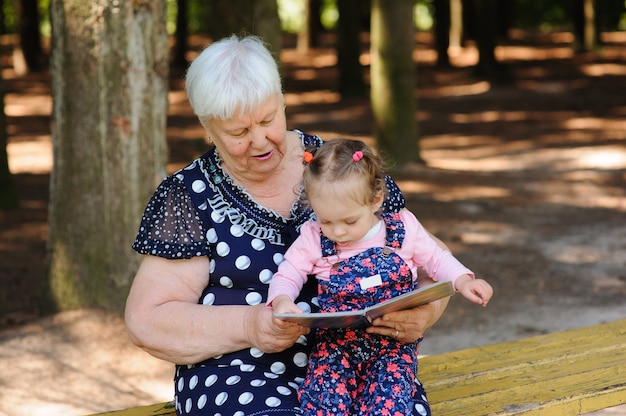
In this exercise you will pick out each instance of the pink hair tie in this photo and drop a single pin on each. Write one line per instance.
(307, 156)
(358, 155)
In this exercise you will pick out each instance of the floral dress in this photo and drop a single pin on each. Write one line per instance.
(352, 372)
(199, 211)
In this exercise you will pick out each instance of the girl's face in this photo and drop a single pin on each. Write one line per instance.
(343, 217)
(252, 145)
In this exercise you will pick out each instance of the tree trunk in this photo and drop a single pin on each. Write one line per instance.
(485, 23)
(351, 83)
(8, 192)
(30, 37)
(182, 32)
(584, 22)
(251, 17)
(109, 85)
(442, 31)
(393, 80)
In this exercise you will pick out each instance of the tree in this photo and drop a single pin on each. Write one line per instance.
(109, 71)
(585, 28)
(351, 83)
(29, 49)
(257, 17)
(393, 80)
(442, 31)
(179, 59)
(8, 192)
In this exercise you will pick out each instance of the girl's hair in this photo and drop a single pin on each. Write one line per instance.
(340, 160)
(230, 77)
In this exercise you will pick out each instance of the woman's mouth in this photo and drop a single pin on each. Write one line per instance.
(264, 156)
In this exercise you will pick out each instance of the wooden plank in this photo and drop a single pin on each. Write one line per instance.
(159, 409)
(564, 373)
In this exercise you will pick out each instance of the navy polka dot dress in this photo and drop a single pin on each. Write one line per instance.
(198, 211)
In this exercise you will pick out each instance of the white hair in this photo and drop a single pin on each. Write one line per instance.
(230, 77)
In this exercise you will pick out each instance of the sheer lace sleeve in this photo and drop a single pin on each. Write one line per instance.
(170, 226)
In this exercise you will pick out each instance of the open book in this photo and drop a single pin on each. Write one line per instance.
(364, 317)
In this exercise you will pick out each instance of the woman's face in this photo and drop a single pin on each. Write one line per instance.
(252, 144)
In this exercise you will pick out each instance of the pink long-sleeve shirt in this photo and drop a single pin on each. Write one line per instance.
(304, 257)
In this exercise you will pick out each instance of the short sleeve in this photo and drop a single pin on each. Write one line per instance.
(170, 226)
(395, 200)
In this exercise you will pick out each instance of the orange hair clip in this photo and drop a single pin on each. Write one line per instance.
(308, 157)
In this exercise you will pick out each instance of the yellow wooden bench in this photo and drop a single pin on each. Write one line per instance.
(564, 373)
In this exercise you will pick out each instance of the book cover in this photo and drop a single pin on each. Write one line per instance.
(364, 317)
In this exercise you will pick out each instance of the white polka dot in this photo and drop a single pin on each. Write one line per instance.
(222, 249)
(300, 359)
(256, 353)
(211, 235)
(272, 402)
(306, 308)
(265, 276)
(217, 217)
(239, 413)
(188, 405)
(258, 382)
(270, 375)
(294, 385)
(209, 299)
(302, 340)
(181, 384)
(191, 166)
(421, 409)
(253, 298)
(221, 398)
(236, 361)
(202, 401)
(226, 281)
(212, 266)
(180, 176)
(257, 244)
(236, 230)
(246, 398)
(285, 391)
(242, 262)
(198, 186)
(210, 380)
(203, 206)
(247, 368)
(232, 380)
(193, 382)
(278, 367)
(278, 258)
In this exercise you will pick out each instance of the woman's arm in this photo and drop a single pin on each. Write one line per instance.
(163, 316)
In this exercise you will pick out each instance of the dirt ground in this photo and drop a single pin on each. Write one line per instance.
(525, 181)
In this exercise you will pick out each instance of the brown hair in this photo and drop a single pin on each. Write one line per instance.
(341, 159)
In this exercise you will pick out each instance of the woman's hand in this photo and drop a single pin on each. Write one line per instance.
(409, 325)
(268, 334)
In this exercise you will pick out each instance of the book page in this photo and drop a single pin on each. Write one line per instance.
(364, 317)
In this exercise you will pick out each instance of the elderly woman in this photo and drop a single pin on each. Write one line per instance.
(214, 233)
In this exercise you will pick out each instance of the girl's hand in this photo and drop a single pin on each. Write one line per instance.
(475, 290)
